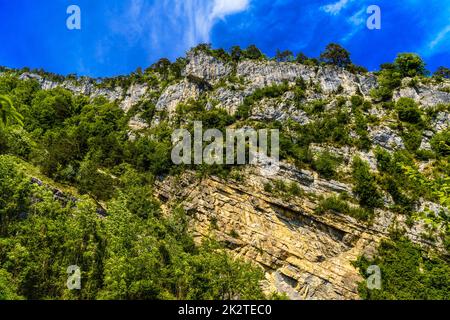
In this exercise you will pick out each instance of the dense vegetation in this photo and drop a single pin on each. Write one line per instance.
(134, 252)
(407, 273)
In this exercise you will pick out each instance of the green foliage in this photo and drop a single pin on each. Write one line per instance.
(407, 273)
(405, 188)
(8, 112)
(389, 78)
(284, 56)
(132, 253)
(410, 65)
(391, 75)
(50, 108)
(283, 189)
(8, 289)
(316, 107)
(95, 182)
(441, 143)
(442, 73)
(16, 140)
(439, 188)
(336, 204)
(357, 101)
(365, 185)
(253, 53)
(364, 141)
(412, 137)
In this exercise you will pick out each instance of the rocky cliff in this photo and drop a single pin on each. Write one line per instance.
(304, 254)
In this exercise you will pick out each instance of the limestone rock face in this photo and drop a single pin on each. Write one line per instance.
(134, 94)
(279, 111)
(176, 94)
(206, 67)
(261, 74)
(84, 87)
(303, 254)
(229, 99)
(386, 138)
(426, 96)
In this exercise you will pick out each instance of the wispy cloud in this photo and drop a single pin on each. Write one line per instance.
(359, 18)
(186, 22)
(335, 8)
(441, 36)
(357, 23)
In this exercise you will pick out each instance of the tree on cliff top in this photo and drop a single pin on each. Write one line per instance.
(336, 55)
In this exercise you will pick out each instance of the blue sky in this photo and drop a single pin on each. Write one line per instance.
(117, 36)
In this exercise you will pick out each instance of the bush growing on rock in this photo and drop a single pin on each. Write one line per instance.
(336, 204)
(365, 188)
(336, 55)
(442, 73)
(326, 164)
(441, 143)
(408, 110)
(408, 272)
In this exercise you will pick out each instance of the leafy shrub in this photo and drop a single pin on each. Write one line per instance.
(412, 137)
(284, 189)
(274, 91)
(410, 65)
(389, 78)
(364, 141)
(442, 73)
(356, 101)
(408, 110)
(339, 205)
(441, 143)
(326, 164)
(408, 272)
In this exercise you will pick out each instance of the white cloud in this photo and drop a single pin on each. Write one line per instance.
(335, 8)
(441, 36)
(188, 21)
(358, 18)
(223, 8)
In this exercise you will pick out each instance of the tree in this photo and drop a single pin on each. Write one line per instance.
(442, 72)
(336, 55)
(410, 65)
(301, 58)
(252, 52)
(236, 53)
(8, 112)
